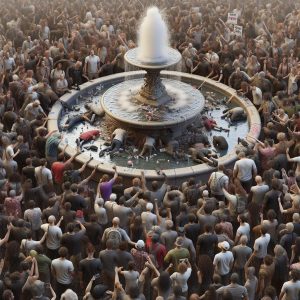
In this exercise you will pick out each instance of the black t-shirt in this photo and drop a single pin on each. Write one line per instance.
(207, 244)
(77, 202)
(192, 231)
(89, 267)
(73, 242)
(93, 232)
(28, 172)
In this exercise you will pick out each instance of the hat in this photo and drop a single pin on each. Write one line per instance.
(224, 245)
(140, 244)
(15, 77)
(179, 242)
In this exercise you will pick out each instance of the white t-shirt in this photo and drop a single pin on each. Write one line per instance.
(291, 290)
(245, 167)
(92, 63)
(8, 153)
(34, 216)
(257, 96)
(119, 134)
(222, 261)
(261, 245)
(54, 235)
(181, 279)
(244, 229)
(43, 176)
(62, 268)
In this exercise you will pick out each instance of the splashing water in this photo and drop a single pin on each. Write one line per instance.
(153, 38)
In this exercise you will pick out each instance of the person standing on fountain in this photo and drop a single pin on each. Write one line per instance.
(119, 137)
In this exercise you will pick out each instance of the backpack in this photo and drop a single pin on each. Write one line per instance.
(115, 236)
(215, 185)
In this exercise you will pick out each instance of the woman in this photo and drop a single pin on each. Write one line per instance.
(181, 277)
(284, 68)
(281, 268)
(253, 66)
(205, 273)
(292, 78)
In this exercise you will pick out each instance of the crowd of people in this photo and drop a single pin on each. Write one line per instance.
(236, 236)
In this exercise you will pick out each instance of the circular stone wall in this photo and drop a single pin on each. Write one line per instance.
(175, 175)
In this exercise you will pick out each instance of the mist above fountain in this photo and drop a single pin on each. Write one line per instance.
(153, 38)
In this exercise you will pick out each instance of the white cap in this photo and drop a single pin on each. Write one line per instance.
(224, 245)
(140, 244)
(149, 206)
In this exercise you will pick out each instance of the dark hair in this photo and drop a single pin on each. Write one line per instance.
(164, 281)
(131, 265)
(63, 252)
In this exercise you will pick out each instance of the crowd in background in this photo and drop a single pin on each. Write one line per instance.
(236, 236)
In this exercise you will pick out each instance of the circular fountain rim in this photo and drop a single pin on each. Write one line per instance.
(201, 170)
(173, 58)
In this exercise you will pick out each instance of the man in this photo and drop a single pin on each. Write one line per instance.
(207, 242)
(291, 289)
(32, 110)
(245, 170)
(223, 262)
(118, 140)
(259, 190)
(237, 291)
(168, 237)
(92, 65)
(149, 219)
(115, 234)
(241, 254)
(43, 175)
(54, 235)
(72, 241)
(89, 266)
(62, 270)
(177, 254)
(260, 248)
(217, 181)
(77, 201)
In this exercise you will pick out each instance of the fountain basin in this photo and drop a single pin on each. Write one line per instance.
(175, 173)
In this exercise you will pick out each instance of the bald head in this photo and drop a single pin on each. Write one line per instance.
(258, 179)
(115, 221)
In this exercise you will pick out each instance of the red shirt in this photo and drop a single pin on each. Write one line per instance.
(58, 171)
(89, 134)
(209, 124)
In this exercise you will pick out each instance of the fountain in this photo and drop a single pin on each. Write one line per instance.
(153, 102)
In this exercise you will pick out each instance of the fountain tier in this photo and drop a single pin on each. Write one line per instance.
(122, 107)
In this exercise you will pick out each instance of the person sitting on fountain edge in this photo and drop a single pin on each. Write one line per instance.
(119, 137)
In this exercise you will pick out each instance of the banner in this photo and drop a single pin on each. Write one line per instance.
(232, 18)
(238, 30)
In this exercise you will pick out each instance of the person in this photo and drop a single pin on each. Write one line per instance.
(119, 137)
(223, 262)
(181, 277)
(217, 181)
(291, 289)
(62, 270)
(92, 65)
(175, 255)
(245, 170)
(237, 291)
